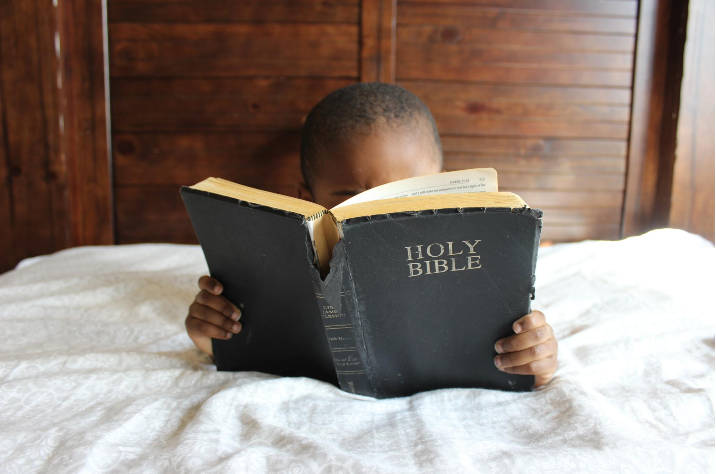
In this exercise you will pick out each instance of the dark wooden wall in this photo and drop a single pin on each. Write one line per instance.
(692, 197)
(216, 88)
(540, 90)
(33, 178)
(55, 188)
(109, 106)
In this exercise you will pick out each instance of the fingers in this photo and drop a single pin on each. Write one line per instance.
(527, 339)
(197, 327)
(531, 351)
(526, 356)
(219, 304)
(210, 284)
(544, 379)
(542, 369)
(528, 322)
(211, 316)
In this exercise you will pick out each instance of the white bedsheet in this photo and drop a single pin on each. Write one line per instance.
(98, 375)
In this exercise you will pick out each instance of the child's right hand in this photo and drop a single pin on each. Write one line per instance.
(211, 316)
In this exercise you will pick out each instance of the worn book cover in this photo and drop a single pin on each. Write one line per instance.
(384, 296)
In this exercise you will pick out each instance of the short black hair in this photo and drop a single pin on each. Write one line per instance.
(349, 112)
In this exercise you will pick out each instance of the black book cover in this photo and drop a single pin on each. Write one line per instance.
(434, 290)
(262, 258)
(413, 302)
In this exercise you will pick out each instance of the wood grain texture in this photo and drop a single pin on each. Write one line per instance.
(514, 39)
(377, 40)
(430, 91)
(85, 141)
(572, 165)
(538, 89)
(284, 49)
(496, 108)
(692, 197)
(555, 233)
(216, 104)
(245, 11)
(411, 13)
(33, 178)
(484, 55)
(217, 88)
(534, 146)
(266, 160)
(657, 79)
(447, 70)
(525, 127)
(618, 8)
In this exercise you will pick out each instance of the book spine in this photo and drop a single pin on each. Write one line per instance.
(345, 337)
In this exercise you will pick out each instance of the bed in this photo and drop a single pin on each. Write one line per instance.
(98, 375)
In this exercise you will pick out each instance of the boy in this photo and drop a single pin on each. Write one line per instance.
(356, 138)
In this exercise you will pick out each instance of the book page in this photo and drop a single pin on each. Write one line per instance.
(476, 180)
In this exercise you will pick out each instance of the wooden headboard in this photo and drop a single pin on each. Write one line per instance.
(539, 90)
(558, 95)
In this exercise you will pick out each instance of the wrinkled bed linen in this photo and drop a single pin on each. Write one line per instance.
(97, 374)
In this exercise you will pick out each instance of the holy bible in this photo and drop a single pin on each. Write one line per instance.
(401, 289)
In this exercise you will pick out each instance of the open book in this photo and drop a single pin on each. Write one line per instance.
(400, 289)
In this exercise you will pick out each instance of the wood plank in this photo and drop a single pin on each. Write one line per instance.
(8, 259)
(475, 16)
(561, 182)
(145, 146)
(249, 11)
(454, 55)
(507, 108)
(377, 41)
(237, 67)
(534, 146)
(221, 32)
(507, 126)
(435, 91)
(264, 160)
(33, 205)
(552, 7)
(250, 104)
(85, 121)
(652, 141)
(151, 214)
(138, 115)
(536, 163)
(569, 216)
(229, 89)
(575, 232)
(124, 53)
(692, 197)
(524, 40)
(410, 69)
(235, 50)
(550, 198)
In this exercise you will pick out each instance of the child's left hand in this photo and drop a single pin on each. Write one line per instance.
(531, 351)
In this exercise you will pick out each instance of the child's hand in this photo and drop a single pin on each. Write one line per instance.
(211, 316)
(531, 351)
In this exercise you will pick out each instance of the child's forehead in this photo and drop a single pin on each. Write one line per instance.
(390, 153)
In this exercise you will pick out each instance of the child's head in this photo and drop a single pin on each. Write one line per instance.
(365, 135)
